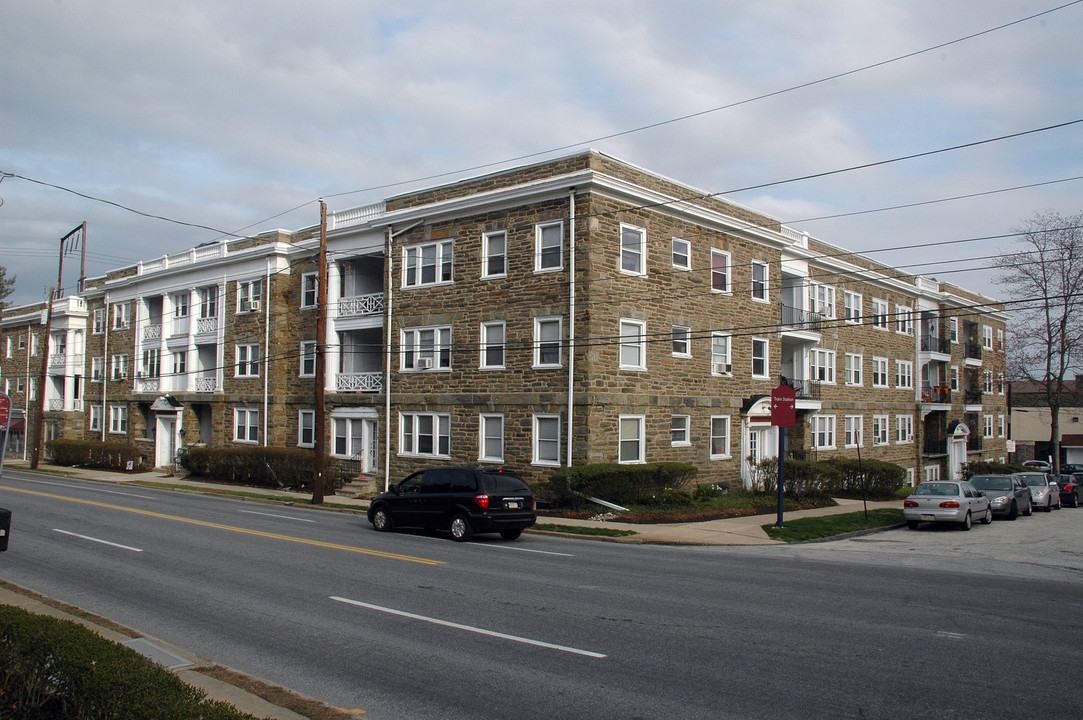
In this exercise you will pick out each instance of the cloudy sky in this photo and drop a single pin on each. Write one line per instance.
(238, 116)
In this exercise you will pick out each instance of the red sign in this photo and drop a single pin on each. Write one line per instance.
(783, 406)
(5, 411)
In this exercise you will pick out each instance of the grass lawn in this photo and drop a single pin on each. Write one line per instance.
(813, 528)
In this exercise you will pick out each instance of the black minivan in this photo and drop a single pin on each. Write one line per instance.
(461, 500)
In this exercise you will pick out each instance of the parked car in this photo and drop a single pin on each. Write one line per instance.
(1070, 469)
(1071, 488)
(1007, 494)
(1044, 492)
(460, 500)
(1038, 465)
(954, 501)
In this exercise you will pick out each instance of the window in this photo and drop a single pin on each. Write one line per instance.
(988, 377)
(853, 369)
(97, 369)
(904, 374)
(249, 295)
(151, 365)
(208, 302)
(682, 254)
(720, 354)
(119, 367)
(1000, 426)
(33, 344)
(987, 337)
(720, 437)
(309, 286)
(954, 377)
(306, 428)
(879, 372)
(120, 315)
(308, 358)
(20, 385)
(987, 426)
(631, 440)
(682, 341)
(720, 271)
(1000, 339)
(118, 419)
(549, 242)
(823, 432)
(95, 417)
(822, 365)
(425, 434)
(22, 342)
(180, 362)
(1000, 383)
(348, 437)
(99, 325)
(759, 280)
(429, 264)
(904, 429)
(494, 251)
(247, 360)
(904, 320)
(854, 426)
(678, 430)
(7, 347)
(759, 358)
(879, 314)
(633, 250)
(426, 348)
(851, 307)
(547, 440)
(245, 425)
(932, 473)
(492, 345)
(491, 440)
(181, 305)
(821, 299)
(547, 342)
(910, 476)
(953, 329)
(633, 345)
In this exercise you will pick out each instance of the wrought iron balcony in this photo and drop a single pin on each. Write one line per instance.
(800, 319)
(931, 343)
(935, 394)
(359, 382)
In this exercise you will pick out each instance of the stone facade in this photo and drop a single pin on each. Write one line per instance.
(688, 311)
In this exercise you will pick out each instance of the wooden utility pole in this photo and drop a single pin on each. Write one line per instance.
(39, 430)
(319, 461)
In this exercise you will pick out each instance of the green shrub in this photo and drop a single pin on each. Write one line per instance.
(260, 466)
(52, 668)
(803, 478)
(991, 468)
(568, 487)
(873, 479)
(93, 454)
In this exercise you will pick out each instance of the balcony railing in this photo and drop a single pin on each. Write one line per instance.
(931, 343)
(206, 384)
(147, 385)
(800, 319)
(972, 351)
(359, 382)
(361, 305)
(974, 442)
(935, 394)
(55, 404)
(206, 325)
(935, 445)
(972, 397)
(805, 389)
(152, 332)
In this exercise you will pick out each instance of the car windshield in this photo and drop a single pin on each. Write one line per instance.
(937, 489)
(991, 483)
(1034, 480)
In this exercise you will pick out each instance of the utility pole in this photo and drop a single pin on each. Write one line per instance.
(319, 461)
(39, 430)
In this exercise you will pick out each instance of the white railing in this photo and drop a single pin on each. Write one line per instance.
(188, 257)
(206, 384)
(56, 404)
(152, 332)
(206, 325)
(148, 385)
(56, 360)
(361, 305)
(359, 382)
(358, 215)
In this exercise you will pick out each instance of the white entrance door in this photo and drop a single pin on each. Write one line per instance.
(957, 451)
(165, 447)
(760, 443)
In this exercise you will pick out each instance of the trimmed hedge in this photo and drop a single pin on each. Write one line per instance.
(872, 479)
(992, 468)
(52, 668)
(260, 466)
(803, 478)
(568, 487)
(93, 454)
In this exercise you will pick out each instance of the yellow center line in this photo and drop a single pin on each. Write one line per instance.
(231, 528)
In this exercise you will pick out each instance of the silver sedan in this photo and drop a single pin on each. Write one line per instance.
(953, 501)
(1044, 493)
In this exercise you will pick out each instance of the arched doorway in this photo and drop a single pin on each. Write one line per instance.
(958, 434)
(759, 438)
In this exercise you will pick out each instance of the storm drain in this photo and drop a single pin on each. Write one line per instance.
(158, 654)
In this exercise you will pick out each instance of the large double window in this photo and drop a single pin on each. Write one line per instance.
(426, 348)
(425, 433)
(429, 264)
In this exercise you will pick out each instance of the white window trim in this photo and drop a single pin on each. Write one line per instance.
(719, 368)
(685, 335)
(883, 437)
(687, 253)
(538, 342)
(854, 319)
(857, 424)
(640, 440)
(766, 281)
(639, 341)
(855, 366)
(908, 365)
(822, 359)
(727, 455)
(953, 329)
(538, 232)
(536, 460)
(414, 416)
(445, 256)
(828, 422)
(486, 253)
(904, 424)
(118, 415)
(248, 413)
(687, 442)
(305, 344)
(766, 358)
(482, 423)
(410, 339)
(301, 415)
(485, 345)
(904, 320)
(728, 274)
(881, 312)
(252, 292)
(314, 278)
(640, 253)
(246, 364)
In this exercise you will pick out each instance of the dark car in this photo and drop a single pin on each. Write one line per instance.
(1007, 494)
(460, 500)
(1071, 488)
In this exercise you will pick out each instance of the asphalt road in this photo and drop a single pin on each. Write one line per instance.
(931, 623)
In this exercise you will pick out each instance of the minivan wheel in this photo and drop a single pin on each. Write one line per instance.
(381, 520)
(510, 534)
(966, 523)
(460, 528)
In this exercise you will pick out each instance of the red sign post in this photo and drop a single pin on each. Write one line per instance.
(783, 415)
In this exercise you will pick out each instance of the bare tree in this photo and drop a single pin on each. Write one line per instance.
(7, 286)
(1044, 277)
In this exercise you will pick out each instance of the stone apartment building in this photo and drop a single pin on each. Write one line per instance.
(572, 311)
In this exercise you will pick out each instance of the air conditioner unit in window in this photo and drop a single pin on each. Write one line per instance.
(122, 375)
(721, 368)
(424, 363)
(253, 305)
